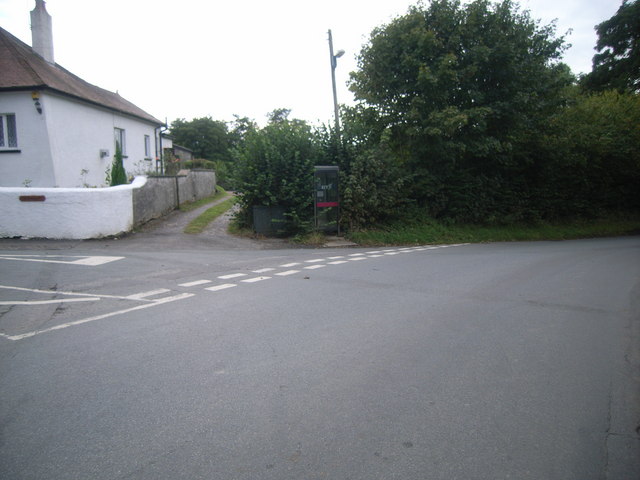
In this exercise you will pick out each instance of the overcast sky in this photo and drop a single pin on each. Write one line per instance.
(193, 58)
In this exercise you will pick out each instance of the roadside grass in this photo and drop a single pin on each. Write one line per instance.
(198, 224)
(312, 239)
(433, 232)
(219, 193)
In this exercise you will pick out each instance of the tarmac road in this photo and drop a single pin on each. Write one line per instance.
(182, 361)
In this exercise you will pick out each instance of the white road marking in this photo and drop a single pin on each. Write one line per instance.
(288, 272)
(338, 262)
(375, 256)
(59, 292)
(315, 260)
(314, 267)
(375, 251)
(289, 265)
(232, 275)
(263, 270)
(99, 317)
(194, 283)
(255, 279)
(392, 253)
(87, 261)
(151, 293)
(356, 254)
(336, 258)
(355, 259)
(45, 302)
(221, 287)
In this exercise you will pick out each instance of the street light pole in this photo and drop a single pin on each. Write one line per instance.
(334, 63)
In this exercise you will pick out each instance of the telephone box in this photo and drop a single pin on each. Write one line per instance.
(326, 199)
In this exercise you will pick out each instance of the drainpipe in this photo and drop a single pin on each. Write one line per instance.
(159, 154)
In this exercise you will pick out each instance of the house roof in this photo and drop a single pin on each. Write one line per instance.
(23, 69)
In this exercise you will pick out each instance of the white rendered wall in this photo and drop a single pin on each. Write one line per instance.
(69, 213)
(79, 131)
(33, 164)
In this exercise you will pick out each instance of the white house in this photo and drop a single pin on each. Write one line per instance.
(56, 130)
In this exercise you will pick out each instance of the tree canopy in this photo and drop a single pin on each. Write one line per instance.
(617, 63)
(464, 89)
(208, 138)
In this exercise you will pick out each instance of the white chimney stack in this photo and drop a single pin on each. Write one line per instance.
(41, 32)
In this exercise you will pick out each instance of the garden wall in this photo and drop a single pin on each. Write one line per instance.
(81, 213)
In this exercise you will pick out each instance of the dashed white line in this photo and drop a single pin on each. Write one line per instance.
(375, 256)
(314, 267)
(194, 283)
(232, 275)
(315, 260)
(356, 254)
(289, 265)
(338, 262)
(288, 272)
(255, 279)
(336, 258)
(221, 287)
(263, 270)
(355, 259)
(151, 293)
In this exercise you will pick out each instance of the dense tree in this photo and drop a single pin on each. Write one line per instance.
(208, 138)
(596, 161)
(274, 167)
(463, 90)
(617, 63)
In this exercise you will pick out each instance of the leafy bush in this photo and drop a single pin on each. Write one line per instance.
(274, 167)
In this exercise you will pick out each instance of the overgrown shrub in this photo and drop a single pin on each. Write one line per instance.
(274, 167)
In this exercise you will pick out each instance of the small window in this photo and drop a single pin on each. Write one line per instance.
(8, 131)
(147, 146)
(120, 140)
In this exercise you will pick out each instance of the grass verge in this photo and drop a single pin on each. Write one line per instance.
(198, 224)
(433, 232)
(219, 193)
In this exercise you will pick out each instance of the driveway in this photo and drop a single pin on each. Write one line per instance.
(166, 232)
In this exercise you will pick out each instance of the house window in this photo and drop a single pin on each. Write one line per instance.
(8, 131)
(120, 140)
(147, 146)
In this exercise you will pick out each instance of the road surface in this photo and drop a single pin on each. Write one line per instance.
(500, 361)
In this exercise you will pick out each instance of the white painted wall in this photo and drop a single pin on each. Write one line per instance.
(79, 131)
(69, 213)
(34, 164)
(61, 146)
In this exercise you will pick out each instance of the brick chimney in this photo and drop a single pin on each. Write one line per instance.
(41, 32)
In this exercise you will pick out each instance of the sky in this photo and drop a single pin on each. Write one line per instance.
(193, 58)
